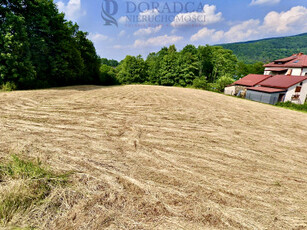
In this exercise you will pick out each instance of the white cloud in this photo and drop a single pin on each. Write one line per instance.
(274, 23)
(148, 31)
(174, 31)
(96, 37)
(122, 33)
(123, 19)
(118, 47)
(149, 13)
(294, 20)
(206, 33)
(147, 16)
(264, 2)
(242, 31)
(206, 17)
(157, 41)
(72, 10)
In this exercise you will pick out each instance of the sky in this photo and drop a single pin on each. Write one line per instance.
(139, 27)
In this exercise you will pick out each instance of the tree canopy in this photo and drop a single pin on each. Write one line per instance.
(39, 48)
(188, 67)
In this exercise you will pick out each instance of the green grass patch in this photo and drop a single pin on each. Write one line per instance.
(289, 105)
(24, 184)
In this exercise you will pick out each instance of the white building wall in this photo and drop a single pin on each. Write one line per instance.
(291, 92)
(304, 73)
(230, 90)
(296, 71)
(304, 92)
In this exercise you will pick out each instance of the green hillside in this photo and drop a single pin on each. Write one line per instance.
(269, 49)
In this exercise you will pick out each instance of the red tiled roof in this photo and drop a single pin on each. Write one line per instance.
(295, 61)
(251, 80)
(286, 59)
(266, 89)
(282, 81)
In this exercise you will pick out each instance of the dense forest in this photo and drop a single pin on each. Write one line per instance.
(267, 50)
(39, 48)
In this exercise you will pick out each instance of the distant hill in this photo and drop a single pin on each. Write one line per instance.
(270, 49)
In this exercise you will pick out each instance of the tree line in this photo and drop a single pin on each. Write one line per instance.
(39, 48)
(205, 67)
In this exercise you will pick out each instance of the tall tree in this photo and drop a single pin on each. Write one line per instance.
(90, 58)
(54, 51)
(224, 62)
(132, 70)
(169, 67)
(15, 56)
(188, 66)
(205, 57)
(189, 49)
(153, 62)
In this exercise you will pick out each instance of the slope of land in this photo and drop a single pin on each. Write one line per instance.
(270, 49)
(149, 157)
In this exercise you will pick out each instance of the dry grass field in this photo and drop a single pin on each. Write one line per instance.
(149, 157)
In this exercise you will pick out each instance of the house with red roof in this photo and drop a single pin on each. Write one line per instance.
(241, 85)
(296, 65)
(283, 80)
(280, 88)
(252, 80)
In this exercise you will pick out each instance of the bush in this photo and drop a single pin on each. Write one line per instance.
(107, 75)
(200, 83)
(212, 87)
(293, 106)
(8, 86)
(222, 82)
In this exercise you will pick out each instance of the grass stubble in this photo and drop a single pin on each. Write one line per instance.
(149, 157)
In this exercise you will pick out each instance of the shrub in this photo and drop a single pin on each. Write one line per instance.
(293, 106)
(212, 87)
(8, 86)
(200, 83)
(222, 82)
(107, 75)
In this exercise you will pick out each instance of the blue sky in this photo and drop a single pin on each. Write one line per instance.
(197, 22)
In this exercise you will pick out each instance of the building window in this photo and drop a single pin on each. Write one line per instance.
(298, 89)
(295, 97)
